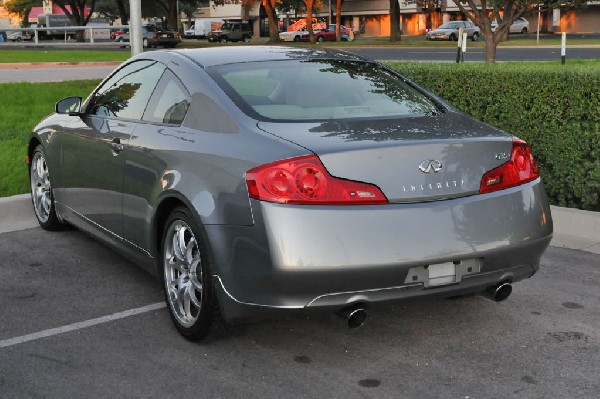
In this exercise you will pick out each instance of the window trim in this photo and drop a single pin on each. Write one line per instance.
(152, 103)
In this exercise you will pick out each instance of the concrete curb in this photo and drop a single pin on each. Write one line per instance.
(573, 228)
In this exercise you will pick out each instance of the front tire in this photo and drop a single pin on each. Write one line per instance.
(246, 39)
(296, 38)
(145, 43)
(223, 39)
(41, 192)
(321, 39)
(524, 31)
(186, 275)
(475, 37)
(452, 37)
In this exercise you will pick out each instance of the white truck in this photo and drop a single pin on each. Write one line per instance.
(202, 26)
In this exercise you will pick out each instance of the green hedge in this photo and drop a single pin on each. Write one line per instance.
(554, 108)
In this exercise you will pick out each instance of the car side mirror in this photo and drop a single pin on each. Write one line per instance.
(69, 105)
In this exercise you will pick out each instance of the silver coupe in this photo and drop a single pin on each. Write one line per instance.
(252, 181)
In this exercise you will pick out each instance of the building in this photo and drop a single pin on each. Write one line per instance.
(372, 17)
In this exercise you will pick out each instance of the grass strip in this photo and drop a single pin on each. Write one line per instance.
(45, 55)
(23, 106)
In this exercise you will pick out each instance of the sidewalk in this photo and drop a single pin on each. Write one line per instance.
(573, 228)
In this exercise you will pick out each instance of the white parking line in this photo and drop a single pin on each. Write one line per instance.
(80, 325)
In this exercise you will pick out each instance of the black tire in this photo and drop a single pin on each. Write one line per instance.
(19, 39)
(321, 39)
(246, 39)
(296, 38)
(452, 37)
(145, 43)
(524, 31)
(223, 39)
(197, 322)
(42, 196)
(475, 37)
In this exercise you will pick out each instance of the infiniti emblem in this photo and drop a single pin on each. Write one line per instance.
(429, 165)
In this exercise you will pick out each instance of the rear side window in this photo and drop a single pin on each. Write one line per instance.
(319, 90)
(126, 94)
(170, 101)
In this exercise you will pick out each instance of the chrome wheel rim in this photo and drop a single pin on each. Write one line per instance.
(40, 188)
(183, 273)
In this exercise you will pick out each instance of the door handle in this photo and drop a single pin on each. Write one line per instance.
(116, 146)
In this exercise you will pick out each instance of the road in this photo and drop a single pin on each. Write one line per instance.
(544, 341)
(58, 74)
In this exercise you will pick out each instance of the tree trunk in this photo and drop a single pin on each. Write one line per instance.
(395, 33)
(309, 18)
(490, 47)
(123, 14)
(273, 29)
(172, 15)
(338, 20)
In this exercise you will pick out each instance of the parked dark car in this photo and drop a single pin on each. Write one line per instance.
(153, 37)
(254, 181)
(231, 32)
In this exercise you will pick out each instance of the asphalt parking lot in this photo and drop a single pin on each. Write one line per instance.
(544, 341)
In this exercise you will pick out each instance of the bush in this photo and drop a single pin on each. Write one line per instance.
(555, 108)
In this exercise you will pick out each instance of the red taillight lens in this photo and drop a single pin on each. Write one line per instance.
(521, 168)
(304, 180)
(155, 36)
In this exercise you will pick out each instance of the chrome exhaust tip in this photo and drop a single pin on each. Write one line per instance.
(354, 316)
(499, 292)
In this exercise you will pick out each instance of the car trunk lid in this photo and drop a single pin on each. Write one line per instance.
(410, 159)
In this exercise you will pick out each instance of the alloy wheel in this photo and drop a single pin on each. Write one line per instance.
(183, 273)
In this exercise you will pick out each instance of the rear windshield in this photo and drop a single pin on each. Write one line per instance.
(301, 90)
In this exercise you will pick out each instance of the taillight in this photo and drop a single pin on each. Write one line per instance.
(520, 168)
(155, 36)
(304, 180)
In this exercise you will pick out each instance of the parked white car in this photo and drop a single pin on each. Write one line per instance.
(293, 36)
(521, 25)
(450, 30)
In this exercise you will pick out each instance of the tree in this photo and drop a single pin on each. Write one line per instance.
(395, 33)
(108, 9)
(309, 4)
(505, 12)
(338, 20)
(273, 28)
(20, 7)
(79, 12)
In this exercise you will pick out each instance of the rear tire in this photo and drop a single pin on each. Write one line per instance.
(475, 37)
(246, 39)
(223, 39)
(145, 43)
(452, 37)
(524, 31)
(296, 38)
(187, 277)
(321, 39)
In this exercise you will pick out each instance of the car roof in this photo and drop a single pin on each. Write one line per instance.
(214, 56)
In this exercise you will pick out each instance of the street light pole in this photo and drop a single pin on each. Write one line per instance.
(135, 27)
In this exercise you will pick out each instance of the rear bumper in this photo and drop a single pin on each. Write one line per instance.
(303, 257)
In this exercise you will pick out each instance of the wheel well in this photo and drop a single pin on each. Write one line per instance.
(33, 143)
(162, 213)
